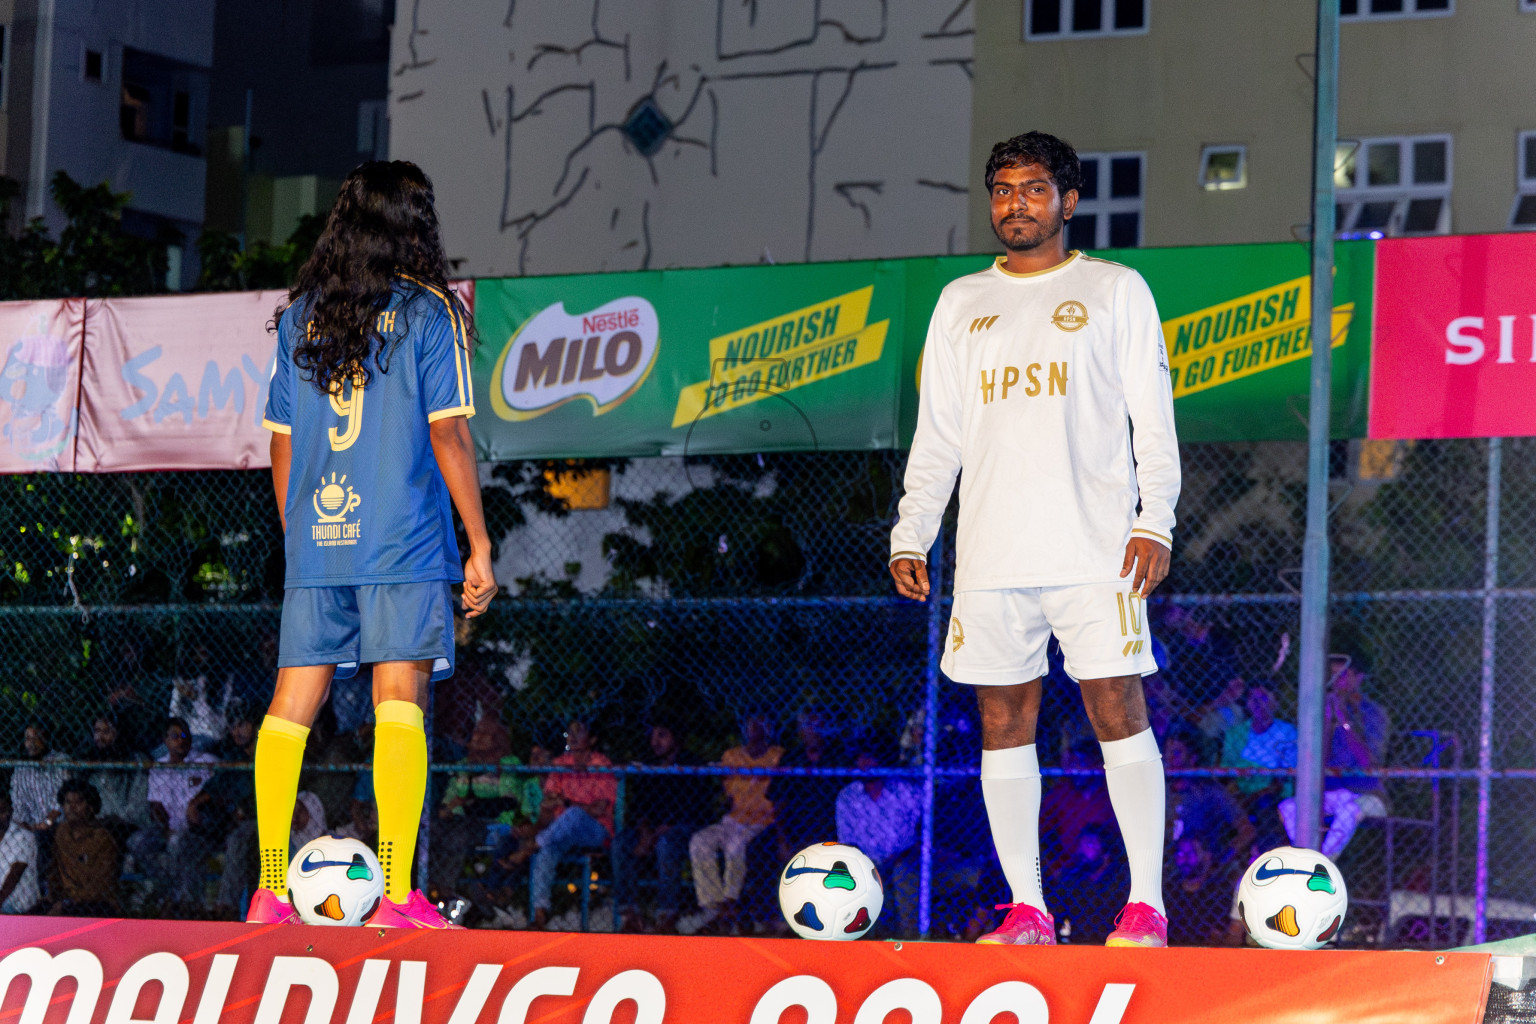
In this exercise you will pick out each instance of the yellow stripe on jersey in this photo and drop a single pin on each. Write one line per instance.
(1154, 535)
(461, 364)
(276, 428)
(458, 410)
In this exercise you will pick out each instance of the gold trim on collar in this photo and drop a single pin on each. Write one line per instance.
(998, 263)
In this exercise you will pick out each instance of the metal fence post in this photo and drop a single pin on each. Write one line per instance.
(1485, 719)
(936, 631)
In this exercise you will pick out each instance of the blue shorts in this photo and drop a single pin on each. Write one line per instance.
(348, 626)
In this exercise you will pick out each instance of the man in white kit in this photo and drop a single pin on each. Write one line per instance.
(1036, 372)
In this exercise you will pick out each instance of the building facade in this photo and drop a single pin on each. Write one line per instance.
(1197, 114)
(114, 92)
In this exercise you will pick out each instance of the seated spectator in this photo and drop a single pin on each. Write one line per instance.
(226, 808)
(135, 714)
(661, 817)
(1226, 712)
(1085, 896)
(465, 698)
(200, 696)
(805, 812)
(18, 863)
(1198, 895)
(1070, 804)
(35, 787)
(751, 812)
(510, 856)
(1202, 807)
(85, 856)
(124, 792)
(1261, 741)
(473, 801)
(1355, 731)
(169, 851)
(884, 817)
(577, 813)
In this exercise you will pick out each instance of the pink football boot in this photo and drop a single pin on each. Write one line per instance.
(416, 912)
(1024, 926)
(267, 907)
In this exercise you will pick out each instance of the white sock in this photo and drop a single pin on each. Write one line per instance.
(1133, 773)
(1010, 785)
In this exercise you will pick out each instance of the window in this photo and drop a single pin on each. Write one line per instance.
(1523, 216)
(1364, 10)
(1393, 186)
(161, 102)
(91, 67)
(1110, 203)
(1053, 19)
(1223, 168)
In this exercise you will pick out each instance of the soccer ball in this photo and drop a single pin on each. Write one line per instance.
(335, 880)
(831, 891)
(1292, 899)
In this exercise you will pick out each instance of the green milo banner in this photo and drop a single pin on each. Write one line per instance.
(824, 356)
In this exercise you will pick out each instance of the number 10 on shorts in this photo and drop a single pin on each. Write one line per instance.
(1131, 617)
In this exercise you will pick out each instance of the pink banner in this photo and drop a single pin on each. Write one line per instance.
(1454, 353)
(176, 382)
(38, 410)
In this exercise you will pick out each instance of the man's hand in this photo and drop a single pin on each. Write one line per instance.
(479, 584)
(911, 576)
(1151, 560)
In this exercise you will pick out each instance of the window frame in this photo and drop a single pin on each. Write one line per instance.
(1352, 199)
(1366, 15)
(1525, 173)
(1206, 152)
(85, 52)
(1106, 17)
(1104, 206)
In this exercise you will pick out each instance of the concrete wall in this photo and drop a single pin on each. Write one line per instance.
(1214, 71)
(804, 129)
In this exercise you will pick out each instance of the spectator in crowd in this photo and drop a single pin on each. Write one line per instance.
(136, 718)
(1070, 804)
(1201, 661)
(577, 813)
(882, 817)
(1261, 741)
(1202, 807)
(805, 811)
(308, 820)
(85, 856)
(509, 858)
(1086, 893)
(35, 787)
(1199, 895)
(124, 792)
(490, 794)
(200, 696)
(1226, 712)
(18, 863)
(661, 818)
(169, 852)
(1355, 733)
(465, 698)
(225, 810)
(750, 812)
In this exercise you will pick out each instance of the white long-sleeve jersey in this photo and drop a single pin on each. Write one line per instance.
(1034, 384)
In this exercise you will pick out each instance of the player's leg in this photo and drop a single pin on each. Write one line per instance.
(407, 635)
(1107, 648)
(997, 643)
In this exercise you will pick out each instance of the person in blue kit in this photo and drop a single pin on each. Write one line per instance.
(368, 408)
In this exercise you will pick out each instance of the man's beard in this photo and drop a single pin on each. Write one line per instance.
(1026, 235)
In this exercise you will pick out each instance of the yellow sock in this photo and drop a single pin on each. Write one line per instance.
(279, 757)
(399, 787)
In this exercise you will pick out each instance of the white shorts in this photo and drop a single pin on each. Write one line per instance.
(998, 637)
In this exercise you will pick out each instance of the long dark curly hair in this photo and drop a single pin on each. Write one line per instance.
(1055, 155)
(381, 234)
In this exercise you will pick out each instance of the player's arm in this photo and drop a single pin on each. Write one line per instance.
(282, 458)
(1148, 393)
(932, 465)
(455, 454)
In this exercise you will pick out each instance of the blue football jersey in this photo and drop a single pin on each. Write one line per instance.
(366, 501)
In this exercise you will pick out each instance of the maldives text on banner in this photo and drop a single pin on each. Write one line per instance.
(1455, 349)
(236, 974)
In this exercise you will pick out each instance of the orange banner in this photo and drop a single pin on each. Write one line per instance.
(200, 973)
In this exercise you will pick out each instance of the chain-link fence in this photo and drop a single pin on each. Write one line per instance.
(683, 609)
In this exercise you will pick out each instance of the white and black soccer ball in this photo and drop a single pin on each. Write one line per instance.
(1292, 898)
(831, 891)
(335, 880)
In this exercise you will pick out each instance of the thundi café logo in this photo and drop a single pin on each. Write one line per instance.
(557, 357)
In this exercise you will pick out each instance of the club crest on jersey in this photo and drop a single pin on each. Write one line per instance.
(1070, 316)
(957, 636)
(334, 500)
